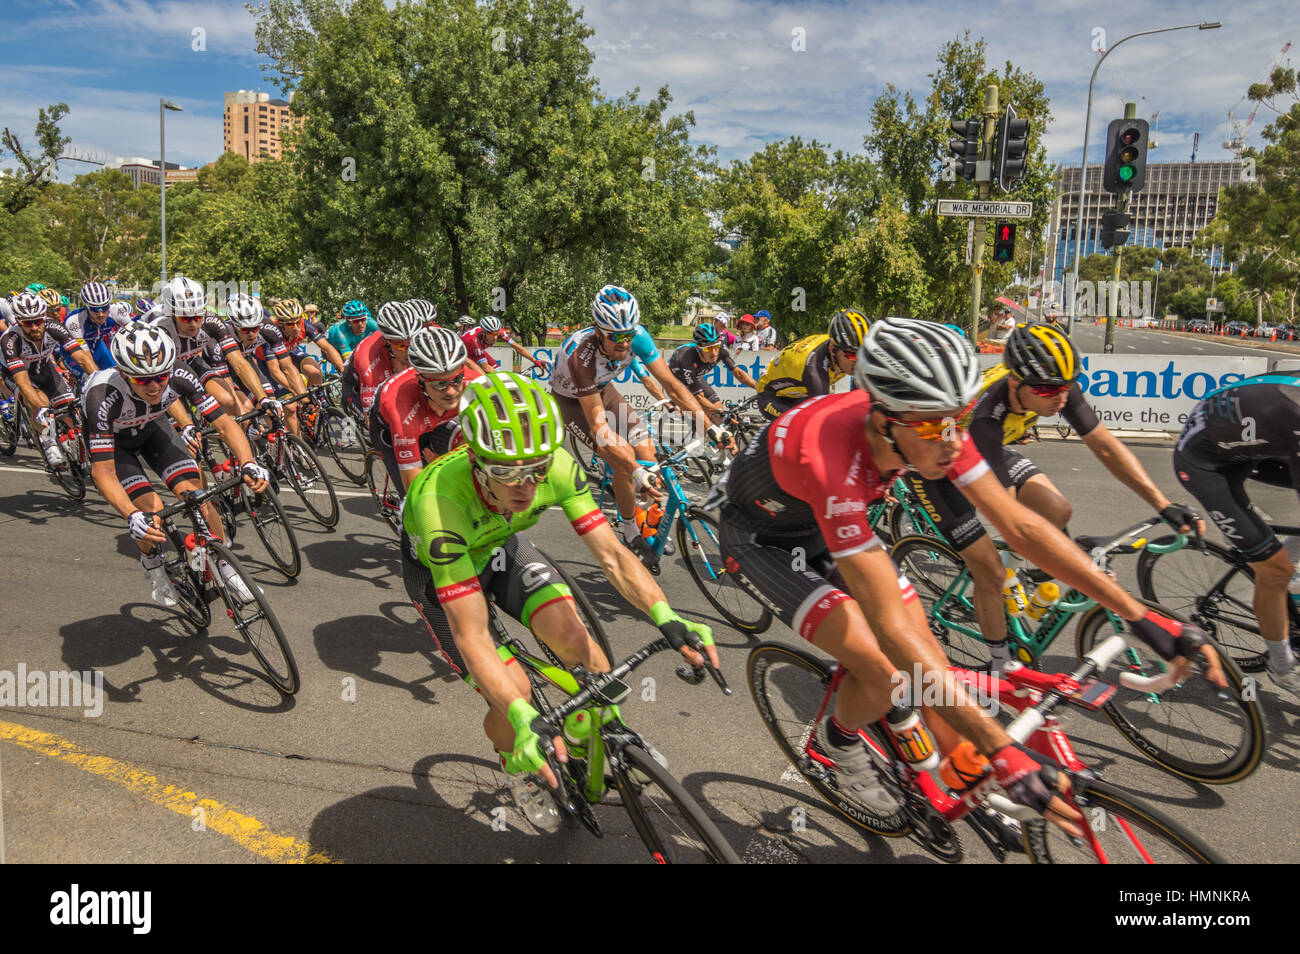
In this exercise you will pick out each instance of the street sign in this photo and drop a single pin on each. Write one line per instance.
(986, 210)
(1213, 304)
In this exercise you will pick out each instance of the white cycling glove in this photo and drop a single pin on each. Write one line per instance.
(255, 470)
(139, 524)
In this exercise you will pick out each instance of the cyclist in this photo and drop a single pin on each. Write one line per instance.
(812, 365)
(261, 345)
(426, 310)
(1250, 429)
(596, 415)
(462, 542)
(27, 350)
(123, 406)
(297, 331)
(93, 324)
(690, 363)
(379, 356)
(1038, 375)
(489, 332)
(805, 482)
(141, 308)
(356, 326)
(415, 415)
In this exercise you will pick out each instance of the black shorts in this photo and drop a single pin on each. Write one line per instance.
(514, 590)
(1221, 488)
(952, 514)
(46, 378)
(162, 448)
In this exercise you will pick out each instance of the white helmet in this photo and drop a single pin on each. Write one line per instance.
(28, 306)
(397, 321)
(910, 365)
(183, 298)
(490, 323)
(615, 309)
(95, 295)
(436, 351)
(464, 321)
(425, 309)
(142, 350)
(245, 311)
(120, 313)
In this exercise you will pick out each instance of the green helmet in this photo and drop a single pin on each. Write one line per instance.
(505, 416)
(35, 287)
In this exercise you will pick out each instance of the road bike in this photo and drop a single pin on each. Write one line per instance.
(289, 457)
(793, 690)
(1189, 728)
(386, 493)
(74, 471)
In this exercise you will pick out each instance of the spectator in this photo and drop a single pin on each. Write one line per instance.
(720, 321)
(311, 311)
(766, 333)
(1000, 329)
(748, 337)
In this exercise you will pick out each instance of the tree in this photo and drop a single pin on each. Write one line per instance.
(37, 170)
(102, 225)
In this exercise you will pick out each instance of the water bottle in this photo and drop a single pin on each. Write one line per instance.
(1013, 595)
(915, 742)
(648, 521)
(1045, 597)
(963, 768)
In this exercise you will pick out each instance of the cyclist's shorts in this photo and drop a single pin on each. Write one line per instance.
(1220, 486)
(162, 448)
(619, 416)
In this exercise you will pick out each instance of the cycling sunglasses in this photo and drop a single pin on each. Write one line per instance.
(31, 322)
(619, 336)
(189, 317)
(152, 379)
(933, 430)
(97, 309)
(443, 384)
(1050, 390)
(399, 345)
(512, 475)
(709, 349)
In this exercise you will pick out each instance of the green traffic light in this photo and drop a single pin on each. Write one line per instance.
(1126, 172)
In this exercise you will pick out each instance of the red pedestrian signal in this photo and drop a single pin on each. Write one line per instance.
(1004, 242)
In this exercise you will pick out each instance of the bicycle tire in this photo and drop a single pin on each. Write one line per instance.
(907, 521)
(673, 825)
(270, 649)
(1212, 589)
(933, 567)
(1064, 430)
(304, 469)
(8, 433)
(223, 503)
(342, 438)
(587, 459)
(387, 501)
(272, 528)
(1132, 831)
(709, 571)
(1210, 736)
(187, 584)
(777, 672)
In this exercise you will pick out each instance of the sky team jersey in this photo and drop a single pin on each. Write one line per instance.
(476, 345)
(801, 370)
(454, 533)
(821, 472)
(689, 368)
(19, 354)
(341, 337)
(580, 368)
(112, 409)
(404, 409)
(1255, 419)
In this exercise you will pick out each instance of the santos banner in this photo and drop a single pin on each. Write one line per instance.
(1128, 392)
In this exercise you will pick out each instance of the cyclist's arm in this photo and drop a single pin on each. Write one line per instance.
(83, 358)
(275, 368)
(104, 475)
(523, 353)
(1124, 466)
(738, 372)
(680, 394)
(645, 380)
(330, 353)
(243, 368)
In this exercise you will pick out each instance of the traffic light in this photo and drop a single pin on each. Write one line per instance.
(1126, 155)
(1004, 242)
(1114, 228)
(967, 148)
(1010, 150)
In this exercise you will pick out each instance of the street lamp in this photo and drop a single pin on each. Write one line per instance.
(1083, 171)
(163, 105)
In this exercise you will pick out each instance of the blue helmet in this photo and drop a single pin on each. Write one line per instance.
(143, 306)
(615, 309)
(356, 309)
(705, 334)
(958, 328)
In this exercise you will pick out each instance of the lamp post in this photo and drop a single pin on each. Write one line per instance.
(163, 106)
(1083, 171)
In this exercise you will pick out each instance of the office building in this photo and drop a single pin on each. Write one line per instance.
(252, 123)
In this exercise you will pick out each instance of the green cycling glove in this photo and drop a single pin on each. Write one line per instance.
(528, 755)
(674, 627)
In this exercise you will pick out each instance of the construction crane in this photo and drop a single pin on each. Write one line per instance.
(1236, 141)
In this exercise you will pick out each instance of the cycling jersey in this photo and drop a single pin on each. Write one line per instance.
(581, 369)
(800, 371)
(370, 366)
(211, 342)
(20, 354)
(454, 533)
(310, 331)
(688, 367)
(113, 411)
(993, 424)
(403, 425)
(344, 341)
(476, 345)
(97, 336)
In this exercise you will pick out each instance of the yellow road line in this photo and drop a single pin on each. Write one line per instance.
(244, 830)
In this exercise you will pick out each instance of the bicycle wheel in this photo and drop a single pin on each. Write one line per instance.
(305, 475)
(1125, 832)
(907, 520)
(789, 687)
(670, 822)
(223, 502)
(386, 497)
(697, 539)
(188, 585)
(8, 431)
(1192, 729)
(935, 569)
(272, 528)
(1212, 590)
(1064, 430)
(343, 440)
(256, 622)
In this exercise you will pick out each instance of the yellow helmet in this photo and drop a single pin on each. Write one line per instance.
(848, 329)
(288, 309)
(51, 298)
(1038, 353)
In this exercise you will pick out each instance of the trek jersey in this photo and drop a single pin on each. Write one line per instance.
(580, 368)
(113, 411)
(341, 337)
(408, 416)
(477, 347)
(19, 354)
(813, 466)
(372, 364)
(453, 532)
(801, 370)
(993, 424)
(687, 366)
(1255, 419)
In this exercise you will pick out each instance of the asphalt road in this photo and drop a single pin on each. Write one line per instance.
(380, 756)
(1091, 339)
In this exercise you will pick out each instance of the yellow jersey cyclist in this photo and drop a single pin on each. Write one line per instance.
(462, 542)
(812, 365)
(1038, 376)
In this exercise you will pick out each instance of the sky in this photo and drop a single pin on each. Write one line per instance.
(731, 62)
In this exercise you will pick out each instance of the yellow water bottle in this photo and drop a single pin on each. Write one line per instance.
(1013, 595)
(1045, 597)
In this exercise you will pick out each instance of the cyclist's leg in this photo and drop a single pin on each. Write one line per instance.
(624, 421)
(1036, 491)
(163, 450)
(310, 368)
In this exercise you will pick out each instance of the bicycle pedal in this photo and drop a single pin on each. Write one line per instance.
(1092, 695)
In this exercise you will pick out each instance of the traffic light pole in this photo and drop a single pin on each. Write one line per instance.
(1121, 205)
(985, 189)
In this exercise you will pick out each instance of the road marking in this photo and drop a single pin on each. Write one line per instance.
(245, 830)
(338, 493)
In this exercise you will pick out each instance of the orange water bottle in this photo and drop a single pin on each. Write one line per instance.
(963, 768)
(648, 521)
